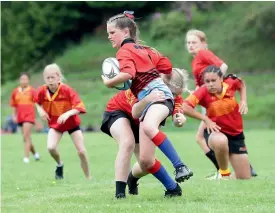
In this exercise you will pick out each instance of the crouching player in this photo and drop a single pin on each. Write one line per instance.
(227, 142)
(59, 105)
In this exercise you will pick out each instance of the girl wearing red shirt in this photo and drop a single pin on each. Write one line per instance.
(196, 43)
(227, 141)
(59, 105)
(136, 62)
(118, 122)
(23, 103)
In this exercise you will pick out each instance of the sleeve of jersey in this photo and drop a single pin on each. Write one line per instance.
(210, 58)
(178, 105)
(164, 65)
(126, 62)
(38, 97)
(194, 99)
(236, 82)
(76, 102)
(12, 99)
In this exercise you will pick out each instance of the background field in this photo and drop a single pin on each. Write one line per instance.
(73, 35)
(32, 188)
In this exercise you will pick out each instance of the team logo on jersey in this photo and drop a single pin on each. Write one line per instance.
(130, 98)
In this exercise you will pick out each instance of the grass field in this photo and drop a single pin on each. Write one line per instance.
(32, 188)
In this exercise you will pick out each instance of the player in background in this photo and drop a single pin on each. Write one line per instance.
(196, 43)
(23, 103)
(119, 123)
(59, 105)
(217, 96)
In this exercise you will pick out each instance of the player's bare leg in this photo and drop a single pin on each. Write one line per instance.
(219, 143)
(126, 145)
(28, 146)
(78, 140)
(53, 139)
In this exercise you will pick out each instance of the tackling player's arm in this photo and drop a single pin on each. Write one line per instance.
(178, 116)
(189, 105)
(154, 96)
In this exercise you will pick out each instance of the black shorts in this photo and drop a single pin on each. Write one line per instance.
(21, 123)
(110, 117)
(236, 143)
(167, 103)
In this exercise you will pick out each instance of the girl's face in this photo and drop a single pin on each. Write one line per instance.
(116, 35)
(213, 82)
(24, 81)
(51, 79)
(194, 44)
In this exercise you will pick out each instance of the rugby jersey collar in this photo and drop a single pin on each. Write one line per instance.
(48, 95)
(20, 89)
(224, 89)
(127, 40)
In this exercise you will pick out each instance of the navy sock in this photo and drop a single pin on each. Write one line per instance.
(165, 145)
(161, 174)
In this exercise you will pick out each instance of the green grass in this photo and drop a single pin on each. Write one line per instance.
(32, 189)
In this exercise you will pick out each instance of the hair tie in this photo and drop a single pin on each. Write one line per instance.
(129, 14)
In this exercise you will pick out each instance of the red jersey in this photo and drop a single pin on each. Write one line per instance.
(23, 101)
(201, 61)
(222, 109)
(142, 63)
(124, 101)
(63, 100)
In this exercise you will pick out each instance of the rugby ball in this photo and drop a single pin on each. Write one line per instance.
(110, 68)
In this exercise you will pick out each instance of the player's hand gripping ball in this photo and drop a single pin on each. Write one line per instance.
(110, 68)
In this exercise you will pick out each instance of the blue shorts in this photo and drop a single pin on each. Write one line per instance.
(156, 84)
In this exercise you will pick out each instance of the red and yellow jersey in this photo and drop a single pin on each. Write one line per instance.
(222, 109)
(63, 100)
(201, 61)
(142, 63)
(124, 101)
(23, 100)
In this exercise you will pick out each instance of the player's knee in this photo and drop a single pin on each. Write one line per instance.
(51, 149)
(218, 140)
(81, 152)
(127, 146)
(26, 138)
(243, 176)
(199, 138)
(146, 163)
(148, 128)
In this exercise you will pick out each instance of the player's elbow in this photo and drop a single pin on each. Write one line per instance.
(125, 76)
(135, 115)
(224, 68)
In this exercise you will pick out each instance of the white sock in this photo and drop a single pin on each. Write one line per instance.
(26, 160)
(36, 155)
(60, 165)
